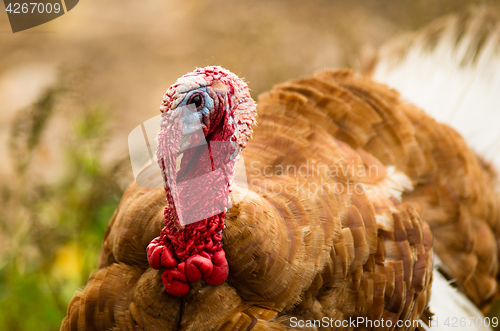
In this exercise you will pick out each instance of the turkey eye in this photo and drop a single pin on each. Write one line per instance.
(196, 100)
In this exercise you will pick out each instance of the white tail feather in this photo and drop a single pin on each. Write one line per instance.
(451, 308)
(452, 71)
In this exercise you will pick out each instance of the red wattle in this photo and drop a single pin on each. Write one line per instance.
(221, 269)
(167, 259)
(198, 267)
(175, 282)
(190, 254)
(154, 252)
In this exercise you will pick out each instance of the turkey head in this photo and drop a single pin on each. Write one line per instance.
(207, 118)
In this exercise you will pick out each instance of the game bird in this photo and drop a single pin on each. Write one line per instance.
(352, 198)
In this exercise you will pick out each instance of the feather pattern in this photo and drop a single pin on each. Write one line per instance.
(450, 69)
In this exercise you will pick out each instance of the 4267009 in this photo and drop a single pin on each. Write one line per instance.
(462, 322)
(33, 7)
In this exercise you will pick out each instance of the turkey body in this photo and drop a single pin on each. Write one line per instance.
(347, 186)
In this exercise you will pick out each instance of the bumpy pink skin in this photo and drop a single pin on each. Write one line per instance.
(194, 252)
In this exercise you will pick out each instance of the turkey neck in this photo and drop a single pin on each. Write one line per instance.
(191, 250)
(197, 193)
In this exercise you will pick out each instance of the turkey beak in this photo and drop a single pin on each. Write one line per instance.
(192, 129)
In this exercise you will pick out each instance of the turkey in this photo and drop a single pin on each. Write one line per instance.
(349, 191)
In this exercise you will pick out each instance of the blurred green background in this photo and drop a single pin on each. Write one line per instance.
(72, 89)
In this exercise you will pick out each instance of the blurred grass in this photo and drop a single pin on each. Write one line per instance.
(52, 232)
